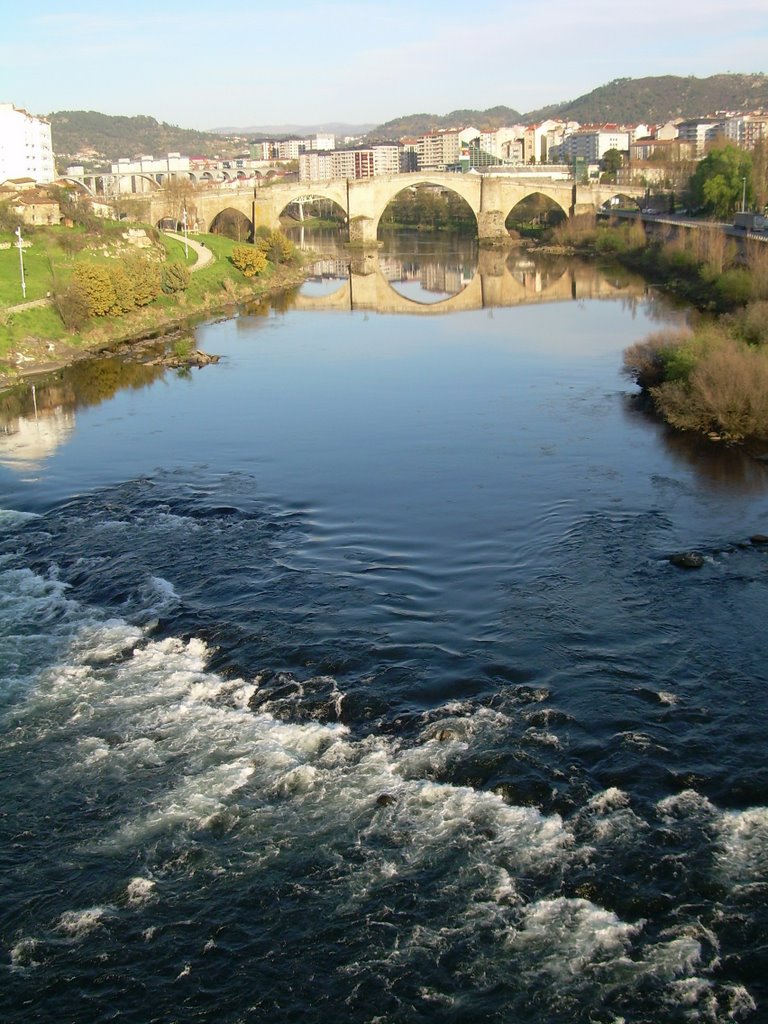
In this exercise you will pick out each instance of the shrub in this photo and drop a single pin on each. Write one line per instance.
(726, 391)
(95, 286)
(249, 259)
(144, 276)
(734, 287)
(277, 248)
(646, 361)
(757, 264)
(71, 303)
(175, 277)
(751, 323)
(123, 289)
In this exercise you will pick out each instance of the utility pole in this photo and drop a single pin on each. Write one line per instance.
(21, 264)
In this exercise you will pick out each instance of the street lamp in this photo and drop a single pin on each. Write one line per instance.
(21, 264)
(743, 195)
(184, 225)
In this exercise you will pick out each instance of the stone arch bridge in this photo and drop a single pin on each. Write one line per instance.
(491, 197)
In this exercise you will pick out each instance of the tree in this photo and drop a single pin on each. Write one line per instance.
(760, 174)
(93, 283)
(144, 275)
(612, 161)
(175, 277)
(721, 180)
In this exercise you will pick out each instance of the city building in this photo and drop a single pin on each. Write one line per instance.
(746, 130)
(702, 132)
(590, 143)
(25, 145)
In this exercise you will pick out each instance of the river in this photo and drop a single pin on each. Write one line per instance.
(348, 679)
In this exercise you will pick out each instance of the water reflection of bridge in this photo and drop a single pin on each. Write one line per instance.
(367, 284)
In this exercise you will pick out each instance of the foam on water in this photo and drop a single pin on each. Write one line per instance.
(126, 707)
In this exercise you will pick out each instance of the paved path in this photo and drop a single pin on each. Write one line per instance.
(28, 305)
(204, 255)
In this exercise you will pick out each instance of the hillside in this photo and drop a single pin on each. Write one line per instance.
(660, 99)
(655, 99)
(78, 131)
(416, 124)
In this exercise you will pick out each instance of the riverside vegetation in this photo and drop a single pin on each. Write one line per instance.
(713, 377)
(102, 282)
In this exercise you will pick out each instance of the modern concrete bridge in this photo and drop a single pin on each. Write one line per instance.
(491, 197)
(496, 283)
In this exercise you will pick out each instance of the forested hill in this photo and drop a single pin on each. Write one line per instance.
(660, 98)
(655, 99)
(78, 131)
(417, 124)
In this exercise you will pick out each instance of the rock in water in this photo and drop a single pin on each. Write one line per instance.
(687, 560)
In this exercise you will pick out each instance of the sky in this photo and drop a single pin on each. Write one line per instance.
(216, 64)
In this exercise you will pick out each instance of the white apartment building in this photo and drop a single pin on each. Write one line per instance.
(349, 163)
(25, 146)
(701, 132)
(746, 130)
(590, 143)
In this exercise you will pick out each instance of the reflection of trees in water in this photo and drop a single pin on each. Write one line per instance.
(86, 383)
(717, 466)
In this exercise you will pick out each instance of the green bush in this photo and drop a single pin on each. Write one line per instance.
(277, 248)
(94, 284)
(734, 287)
(726, 391)
(144, 276)
(647, 362)
(175, 277)
(71, 303)
(123, 289)
(249, 259)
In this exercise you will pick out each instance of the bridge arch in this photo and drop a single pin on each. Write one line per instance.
(555, 200)
(232, 223)
(388, 189)
(79, 183)
(418, 213)
(301, 190)
(620, 201)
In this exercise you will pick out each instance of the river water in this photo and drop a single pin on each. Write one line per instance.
(349, 680)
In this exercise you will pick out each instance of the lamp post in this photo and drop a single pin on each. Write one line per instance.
(743, 195)
(21, 264)
(184, 225)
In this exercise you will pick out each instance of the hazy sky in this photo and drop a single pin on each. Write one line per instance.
(204, 65)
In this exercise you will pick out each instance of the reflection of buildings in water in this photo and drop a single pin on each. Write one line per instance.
(330, 266)
(25, 443)
(432, 275)
(535, 277)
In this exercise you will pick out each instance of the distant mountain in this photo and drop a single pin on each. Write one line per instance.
(660, 98)
(417, 124)
(271, 131)
(78, 131)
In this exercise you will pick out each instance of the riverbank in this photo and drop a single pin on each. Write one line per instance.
(34, 341)
(712, 377)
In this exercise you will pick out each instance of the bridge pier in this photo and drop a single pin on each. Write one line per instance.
(264, 216)
(362, 231)
(491, 226)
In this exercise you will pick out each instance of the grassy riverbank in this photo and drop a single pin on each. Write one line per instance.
(35, 338)
(713, 377)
